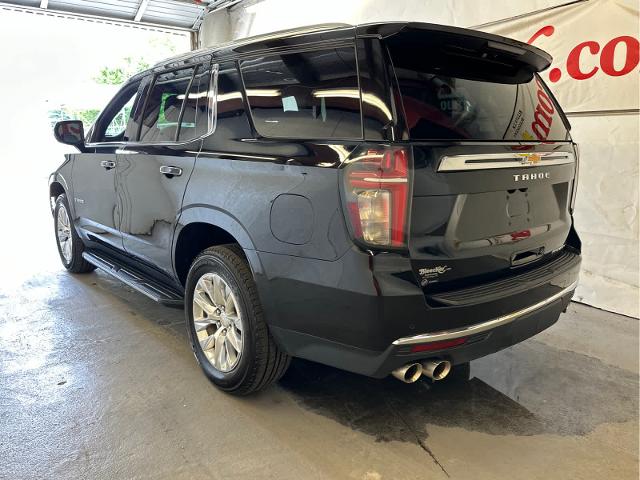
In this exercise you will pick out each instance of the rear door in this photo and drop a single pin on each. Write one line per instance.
(153, 171)
(493, 161)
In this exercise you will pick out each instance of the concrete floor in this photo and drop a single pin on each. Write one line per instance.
(97, 381)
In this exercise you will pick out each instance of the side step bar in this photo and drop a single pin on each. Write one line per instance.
(152, 289)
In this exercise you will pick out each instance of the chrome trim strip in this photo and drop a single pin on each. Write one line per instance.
(453, 163)
(484, 326)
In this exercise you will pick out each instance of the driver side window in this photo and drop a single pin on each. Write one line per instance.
(113, 121)
(119, 122)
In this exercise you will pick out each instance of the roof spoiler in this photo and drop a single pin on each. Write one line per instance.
(510, 61)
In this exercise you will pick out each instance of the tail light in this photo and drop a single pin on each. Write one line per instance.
(376, 187)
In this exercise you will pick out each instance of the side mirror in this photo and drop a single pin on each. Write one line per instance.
(70, 132)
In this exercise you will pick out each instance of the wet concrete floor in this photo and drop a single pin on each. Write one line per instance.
(97, 381)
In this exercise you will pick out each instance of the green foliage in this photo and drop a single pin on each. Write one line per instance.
(119, 74)
(88, 116)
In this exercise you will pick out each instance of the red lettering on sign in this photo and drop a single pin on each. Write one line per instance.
(592, 48)
(544, 31)
(573, 60)
(632, 57)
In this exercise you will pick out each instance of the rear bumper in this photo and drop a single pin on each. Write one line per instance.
(502, 334)
(428, 339)
(369, 315)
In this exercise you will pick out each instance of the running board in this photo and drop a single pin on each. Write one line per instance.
(152, 289)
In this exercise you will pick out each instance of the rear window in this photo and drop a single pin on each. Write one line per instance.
(304, 95)
(439, 106)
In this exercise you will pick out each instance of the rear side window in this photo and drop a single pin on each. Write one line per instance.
(195, 119)
(162, 108)
(231, 118)
(305, 95)
(177, 107)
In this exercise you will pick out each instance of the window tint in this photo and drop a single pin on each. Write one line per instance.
(112, 122)
(195, 119)
(229, 94)
(439, 106)
(131, 133)
(231, 118)
(119, 122)
(305, 95)
(163, 106)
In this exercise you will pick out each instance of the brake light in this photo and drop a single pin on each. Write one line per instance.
(376, 185)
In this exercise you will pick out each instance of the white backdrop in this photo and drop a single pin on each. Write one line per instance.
(594, 75)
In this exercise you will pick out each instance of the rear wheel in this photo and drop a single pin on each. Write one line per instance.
(70, 246)
(228, 334)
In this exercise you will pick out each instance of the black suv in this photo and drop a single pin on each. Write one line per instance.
(387, 198)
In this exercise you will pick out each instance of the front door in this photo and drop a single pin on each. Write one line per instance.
(94, 197)
(153, 172)
(94, 175)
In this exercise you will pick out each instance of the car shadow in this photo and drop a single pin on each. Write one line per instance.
(512, 392)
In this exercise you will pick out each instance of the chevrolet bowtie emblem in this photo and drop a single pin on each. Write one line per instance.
(530, 159)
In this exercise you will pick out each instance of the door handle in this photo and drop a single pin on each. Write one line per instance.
(108, 164)
(170, 171)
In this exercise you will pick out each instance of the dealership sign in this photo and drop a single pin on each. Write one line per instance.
(593, 69)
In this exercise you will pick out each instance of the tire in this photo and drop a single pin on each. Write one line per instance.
(223, 273)
(70, 253)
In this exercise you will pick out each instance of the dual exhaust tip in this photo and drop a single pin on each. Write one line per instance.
(433, 369)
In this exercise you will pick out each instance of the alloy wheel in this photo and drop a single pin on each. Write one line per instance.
(216, 318)
(65, 239)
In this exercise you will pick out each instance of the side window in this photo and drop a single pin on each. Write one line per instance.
(135, 118)
(163, 105)
(231, 118)
(305, 95)
(112, 123)
(119, 122)
(196, 120)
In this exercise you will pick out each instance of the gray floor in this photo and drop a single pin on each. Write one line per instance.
(97, 381)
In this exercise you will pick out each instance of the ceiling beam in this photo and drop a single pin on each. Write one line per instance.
(141, 9)
(94, 18)
(221, 5)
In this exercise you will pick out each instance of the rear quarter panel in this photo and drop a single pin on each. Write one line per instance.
(273, 206)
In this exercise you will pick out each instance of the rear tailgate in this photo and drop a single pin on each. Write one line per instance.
(472, 215)
(493, 160)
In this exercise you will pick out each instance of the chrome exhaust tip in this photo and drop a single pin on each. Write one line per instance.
(436, 369)
(408, 373)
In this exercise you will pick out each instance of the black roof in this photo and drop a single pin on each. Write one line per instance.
(409, 35)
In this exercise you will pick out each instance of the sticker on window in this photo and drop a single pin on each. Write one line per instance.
(289, 104)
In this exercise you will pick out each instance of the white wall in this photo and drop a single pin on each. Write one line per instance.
(272, 15)
(607, 206)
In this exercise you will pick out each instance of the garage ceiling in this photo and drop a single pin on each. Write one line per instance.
(180, 14)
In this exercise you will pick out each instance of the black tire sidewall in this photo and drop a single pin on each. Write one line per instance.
(212, 263)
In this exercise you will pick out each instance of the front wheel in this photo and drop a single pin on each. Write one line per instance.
(227, 331)
(70, 246)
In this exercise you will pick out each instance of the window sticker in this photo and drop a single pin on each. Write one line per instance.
(289, 104)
